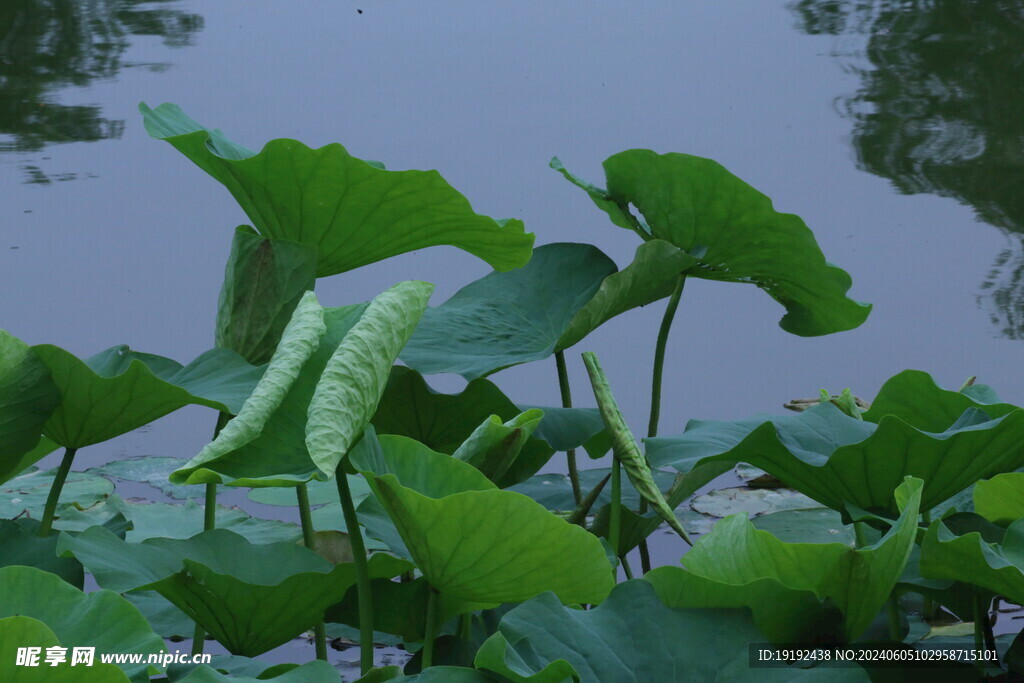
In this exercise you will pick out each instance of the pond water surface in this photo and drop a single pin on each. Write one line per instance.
(892, 128)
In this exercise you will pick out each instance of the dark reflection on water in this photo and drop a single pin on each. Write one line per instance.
(49, 45)
(939, 111)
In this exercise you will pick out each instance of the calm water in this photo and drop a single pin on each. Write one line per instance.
(892, 128)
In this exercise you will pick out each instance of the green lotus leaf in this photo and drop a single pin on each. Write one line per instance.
(959, 554)
(495, 546)
(443, 422)
(435, 674)
(633, 636)
(354, 380)
(169, 520)
(566, 428)
(273, 591)
(264, 280)
(28, 396)
(495, 448)
(1001, 498)
(166, 620)
(17, 632)
(310, 672)
(73, 617)
(732, 230)
(351, 211)
(265, 444)
(26, 494)
(151, 470)
(838, 460)
(566, 291)
(782, 583)
(914, 397)
(320, 493)
(24, 546)
(811, 525)
(119, 390)
(417, 467)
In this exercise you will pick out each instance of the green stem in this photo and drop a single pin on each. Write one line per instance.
(659, 356)
(309, 539)
(355, 538)
(431, 631)
(465, 635)
(860, 534)
(625, 567)
(927, 605)
(209, 522)
(570, 455)
(58, 483)
(895, 627)
(616, 511)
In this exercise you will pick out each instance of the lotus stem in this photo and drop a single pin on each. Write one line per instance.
(860, 534)
(656, 379)
(927, 605)
(893, 609)
(579, 515)
(309, 539)
(615, 519)
(58, 483)
(570, 455)
(465, 635)
(355, 538)
(209, 522)
(430, 632)
(627, 570)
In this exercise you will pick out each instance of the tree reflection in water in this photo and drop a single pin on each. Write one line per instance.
(48, 45)
(939, 110)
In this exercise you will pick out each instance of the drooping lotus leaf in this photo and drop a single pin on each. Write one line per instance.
(731, 229)
(74, 617)
(26, 494)
(353, 212)
(495, 546)
(28, 396)
(323, 383)
(18, 632)
(444, 421)
(119, 390)
(24, 546)
(311, 672)
(264, 280)
(782, 583)
(633, 636)
(1001, 498)
(566, 291)
(167, 520)
(992, 563)
(273, 591)
(914, 397)
(354, 380)
(838, 460)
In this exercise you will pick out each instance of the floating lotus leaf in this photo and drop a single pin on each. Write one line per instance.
(26, 494)
(272, 592)
(264, 280)
(495, 546)
(321, 387)
(994, 563)
(566, 291)
(351, 211)
(731, 229)
(784, 583)
(119, 390)
(151, 470)
(838, 460)
(73, 616)
(1001, 498)
(28, 396)
(444, 422)
(633, 636)
(813, 525)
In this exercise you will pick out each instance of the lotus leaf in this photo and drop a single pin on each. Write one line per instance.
(1001, 498)
(272, 591)
(633, 636)
(72, 616)
(148, 469)
(838, 460)
(914, 397)
(495, 546)
(118, 390)
(566, 291)
(783, 583)
(310, 672)
(566, 428)
(17, 631)
(264, 280)
(24, 546)
(732, 230)
(354, 213)
(28, 396)
(26, 494)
